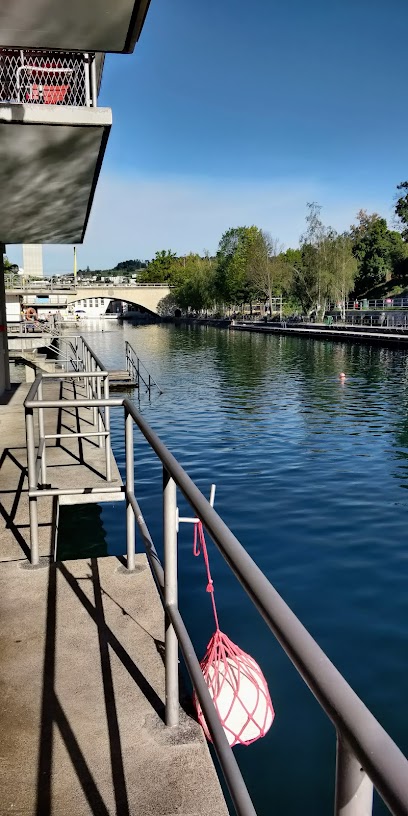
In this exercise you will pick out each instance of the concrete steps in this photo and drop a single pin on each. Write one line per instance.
(121, 377)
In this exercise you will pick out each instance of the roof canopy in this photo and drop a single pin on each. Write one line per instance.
(67, 25)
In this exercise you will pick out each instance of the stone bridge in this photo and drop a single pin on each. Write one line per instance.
(147, 296)
(144, 295)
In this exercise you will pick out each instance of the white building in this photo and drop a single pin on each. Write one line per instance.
(33, 260)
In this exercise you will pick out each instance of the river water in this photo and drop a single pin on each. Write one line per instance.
(312, 477)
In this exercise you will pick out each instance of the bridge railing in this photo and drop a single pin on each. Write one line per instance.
(366, 754)
(48, 285)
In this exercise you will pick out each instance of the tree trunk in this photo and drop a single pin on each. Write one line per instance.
(270, 300)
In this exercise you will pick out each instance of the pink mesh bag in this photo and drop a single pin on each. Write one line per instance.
(235, 681)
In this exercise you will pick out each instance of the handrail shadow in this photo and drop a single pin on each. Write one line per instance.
(52, 711)
(17, 490)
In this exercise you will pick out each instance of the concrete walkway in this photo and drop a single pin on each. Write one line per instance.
(81, 664)
(81, 701)
(384, 337)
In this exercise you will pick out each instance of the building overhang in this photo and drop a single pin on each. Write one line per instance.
(50, 158)
(80, 25)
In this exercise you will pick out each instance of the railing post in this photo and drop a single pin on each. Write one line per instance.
(88, 368)
(100, 422)
(94, 86)
(41, 433)
(354, 790)
(107, 428)
(95, 410)
(130, 488)
(32, 485)
(87, 81)
(170, 597)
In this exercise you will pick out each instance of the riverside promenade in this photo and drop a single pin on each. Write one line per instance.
(319, 331)
(81, 656)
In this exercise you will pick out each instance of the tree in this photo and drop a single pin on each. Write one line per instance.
(130, 266)
(324, 268)
(345, 270)
(195, 290)
(378, 250)
(266, 267)
(166, 307)
(232, 280)
(165, 267)
(401, 208)
(313, 278)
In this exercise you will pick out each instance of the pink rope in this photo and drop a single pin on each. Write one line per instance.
(225, 666)
(199, 546)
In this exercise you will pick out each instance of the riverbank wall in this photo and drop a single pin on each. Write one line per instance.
(352, 334)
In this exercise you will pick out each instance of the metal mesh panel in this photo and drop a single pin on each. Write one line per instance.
(45, 78)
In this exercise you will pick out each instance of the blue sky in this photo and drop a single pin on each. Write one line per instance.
(235, 113)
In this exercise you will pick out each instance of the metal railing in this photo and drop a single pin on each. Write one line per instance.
(377, 303)
(88, 370)
(48, 285)
(47, 78)
(138, 371)
(366, 754)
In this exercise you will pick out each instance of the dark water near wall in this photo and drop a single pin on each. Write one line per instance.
(312, 477)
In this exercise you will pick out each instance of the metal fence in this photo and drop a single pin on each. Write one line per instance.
(366, 755)
(138, 371)
(47, 284)
(47, 78)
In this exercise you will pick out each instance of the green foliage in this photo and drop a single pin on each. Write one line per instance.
(232, 280)
(195, 286)
(401, 208)
(267, 270)
(167, 306)
(324, 268)
(164, 268)
(129, 266)
(378, 250)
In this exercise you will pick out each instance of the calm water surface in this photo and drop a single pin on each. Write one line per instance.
(312, 477)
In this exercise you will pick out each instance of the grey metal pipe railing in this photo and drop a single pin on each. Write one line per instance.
(378, 755)
(133, 366)
(366, 754)
(236, 785)
(91, 371)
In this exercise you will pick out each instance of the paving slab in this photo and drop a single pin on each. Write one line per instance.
(81, 698)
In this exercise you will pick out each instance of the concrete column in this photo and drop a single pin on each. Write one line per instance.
(4, 355)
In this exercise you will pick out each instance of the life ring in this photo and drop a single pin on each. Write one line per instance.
(31, 313)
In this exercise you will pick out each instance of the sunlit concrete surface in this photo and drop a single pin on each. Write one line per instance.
(81, 661)
(93, 25)
(81, 706)
(50, 158)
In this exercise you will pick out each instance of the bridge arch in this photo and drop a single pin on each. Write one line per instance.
(143, 296)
